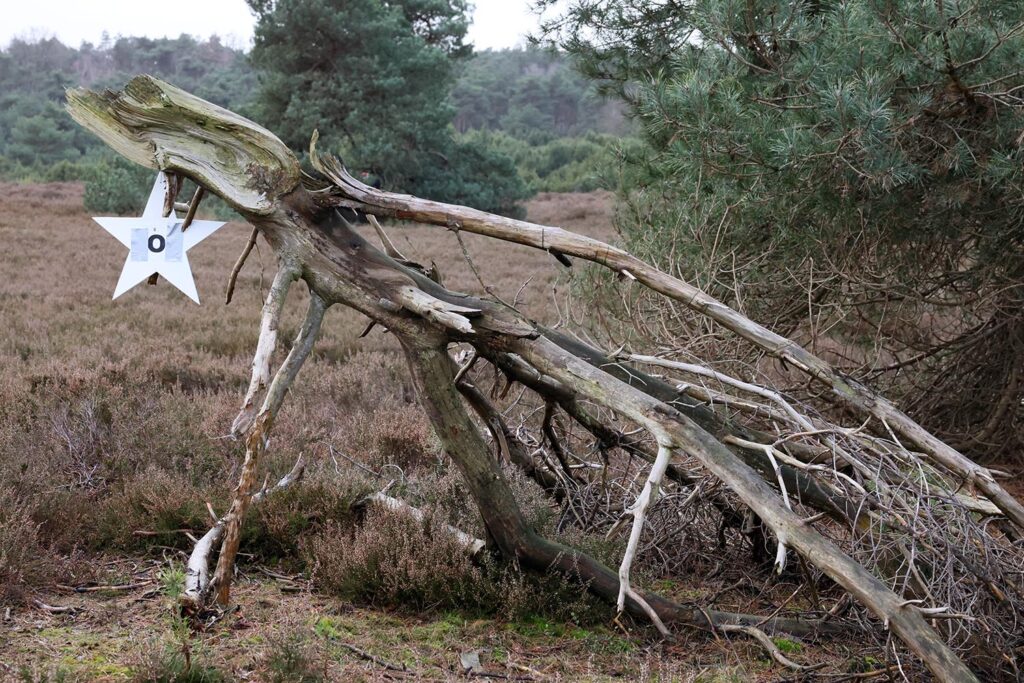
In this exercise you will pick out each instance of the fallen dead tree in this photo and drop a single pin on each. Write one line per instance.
(878, 508)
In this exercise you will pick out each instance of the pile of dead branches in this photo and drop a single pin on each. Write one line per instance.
(924, 531)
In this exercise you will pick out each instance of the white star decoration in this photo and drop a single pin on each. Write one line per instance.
(157, 244)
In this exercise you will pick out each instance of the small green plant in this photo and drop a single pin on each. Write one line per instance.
(290, 660)
(326, 627)
(863, 664)
(177, 666)
(172, 580)
(787, 646)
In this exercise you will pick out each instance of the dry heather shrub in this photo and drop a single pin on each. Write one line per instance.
(442, 490)
(164, 429)
(20, 550)
(167, 663)
(275, 527)
(395, 560)
(371, 380)
(399, 435)
(99, 457)
(156, 501)
(292, 658)
(161, 502)
(67, 519)
(517, 595)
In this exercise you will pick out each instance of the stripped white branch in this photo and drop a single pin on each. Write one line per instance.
(702, 371)
(258, 438)
(791, 461)
(197, 572)
(702, 392)
(767, 643)
(264, 348)
(385, 242)
(441, 312)
(472, 545)
(770, 452)
(639, 511)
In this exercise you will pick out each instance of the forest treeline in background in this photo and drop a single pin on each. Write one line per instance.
(527, 106)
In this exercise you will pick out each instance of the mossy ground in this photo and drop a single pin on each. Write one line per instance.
(287, 635)
(287, 631)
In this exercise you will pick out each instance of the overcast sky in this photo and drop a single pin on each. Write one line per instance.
(496, 23)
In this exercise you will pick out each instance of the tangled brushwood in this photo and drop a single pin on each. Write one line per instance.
(848, 172)
(924, 540)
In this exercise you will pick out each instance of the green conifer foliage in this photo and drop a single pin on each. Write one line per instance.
(375, 77)
(846, 171)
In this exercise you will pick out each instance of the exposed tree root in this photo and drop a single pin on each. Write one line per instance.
(197, 572)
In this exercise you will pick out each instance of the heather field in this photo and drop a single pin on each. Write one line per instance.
(114, 452)
(113, 416)
(749, 408)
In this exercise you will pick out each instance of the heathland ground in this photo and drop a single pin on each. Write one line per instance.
(113, 416)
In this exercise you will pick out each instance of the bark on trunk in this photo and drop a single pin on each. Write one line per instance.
(504, 521)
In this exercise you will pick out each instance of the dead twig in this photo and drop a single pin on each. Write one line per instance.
(55, 609)
(97, 589)
(193, 206)
(233, 278)
(762, 638)
(363, 654)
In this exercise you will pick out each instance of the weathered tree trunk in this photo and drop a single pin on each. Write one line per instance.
(432, 370)
(163, 127)
(564, 243)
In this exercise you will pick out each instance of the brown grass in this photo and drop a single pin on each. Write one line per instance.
(113, 418)
(113, 413)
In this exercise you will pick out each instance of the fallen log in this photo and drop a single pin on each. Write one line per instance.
(160, 126)
(355, 194)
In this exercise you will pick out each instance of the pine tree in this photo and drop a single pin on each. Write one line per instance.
(848, 170)
(375, 77)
